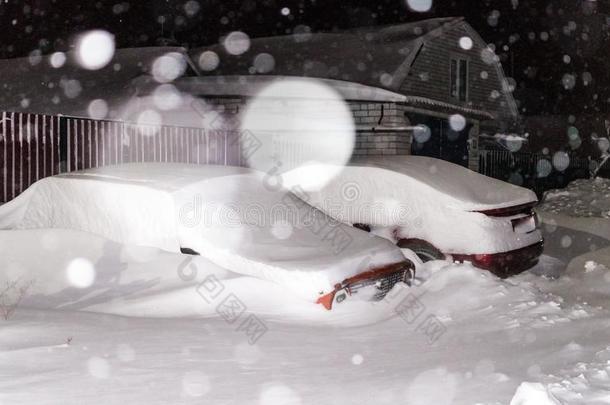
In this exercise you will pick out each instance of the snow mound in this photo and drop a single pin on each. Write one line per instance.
(462, 293)
(533, 394)
(227, 214)
(581, 198)
(139, 281)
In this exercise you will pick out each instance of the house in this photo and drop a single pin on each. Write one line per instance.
(425, 88)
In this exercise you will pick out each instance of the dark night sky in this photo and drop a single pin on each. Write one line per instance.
(517, 28)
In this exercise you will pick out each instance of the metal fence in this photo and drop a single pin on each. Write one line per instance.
(532, 170)
(34, 146)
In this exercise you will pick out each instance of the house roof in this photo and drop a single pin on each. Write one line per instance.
(250, 86)
(40, 88)
(372, 56)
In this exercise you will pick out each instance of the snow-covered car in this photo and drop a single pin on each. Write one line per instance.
(228, 215)
(435, 208)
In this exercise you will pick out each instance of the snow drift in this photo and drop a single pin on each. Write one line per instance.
(227, 214)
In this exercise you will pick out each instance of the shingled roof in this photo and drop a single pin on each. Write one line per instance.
(372, 56)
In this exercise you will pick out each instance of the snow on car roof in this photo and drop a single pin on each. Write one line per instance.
(475, 191)
(161, 176)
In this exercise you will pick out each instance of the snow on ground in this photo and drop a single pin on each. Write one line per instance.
(581, 198)
(142, 328)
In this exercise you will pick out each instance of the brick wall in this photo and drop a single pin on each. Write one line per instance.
(372, 136)
(369, 118)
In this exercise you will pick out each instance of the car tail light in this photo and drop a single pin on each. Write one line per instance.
(485, 260)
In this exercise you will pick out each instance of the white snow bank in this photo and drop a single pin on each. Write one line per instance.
(586, 280)
(147, 282)
(498, 333)
(124, 279)
(533, 394)
(581, 198)
(226, 214)
(592, 225)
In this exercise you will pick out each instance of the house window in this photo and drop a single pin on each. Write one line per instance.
(459, 79)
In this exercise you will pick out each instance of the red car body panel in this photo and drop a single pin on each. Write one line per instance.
(505, 264)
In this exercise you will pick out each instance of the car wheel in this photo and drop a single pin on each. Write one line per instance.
(425, 251)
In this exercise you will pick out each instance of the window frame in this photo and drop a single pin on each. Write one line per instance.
(458, 59)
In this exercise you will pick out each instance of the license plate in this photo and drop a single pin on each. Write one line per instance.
(524, 225)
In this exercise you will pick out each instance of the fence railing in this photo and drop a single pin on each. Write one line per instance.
(532, 170)
(34, 146)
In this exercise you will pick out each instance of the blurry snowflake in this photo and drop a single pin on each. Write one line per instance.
(457, 122)
(561, 161)
(420, 6)
(168, 67)
(236, 43)
(264, 63)
(95, 49)
(208, 61)
(466, 43)
(191, 8)
(167, 97)
(57, 59)
(97, 109)
(80, 273)
(568, 81)
(357, 359)
(422, 133)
